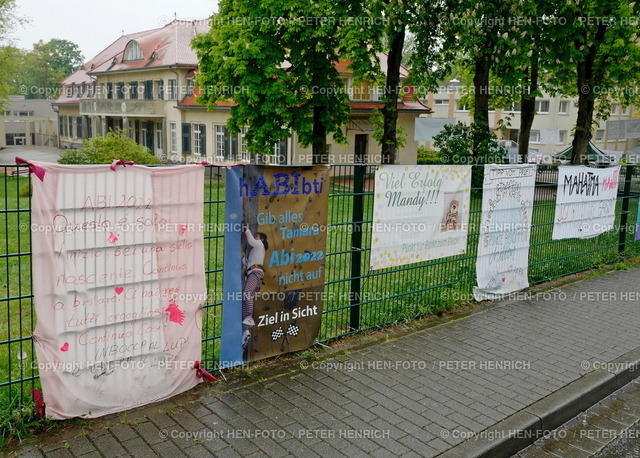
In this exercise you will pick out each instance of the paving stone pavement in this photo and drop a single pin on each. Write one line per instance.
(417, 395)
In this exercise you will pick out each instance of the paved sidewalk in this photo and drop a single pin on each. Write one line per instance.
(420, 394)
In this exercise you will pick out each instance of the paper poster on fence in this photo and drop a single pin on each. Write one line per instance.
(585, 202)
(420, 212)
(118, 285)
(275, 241)
(505, 226)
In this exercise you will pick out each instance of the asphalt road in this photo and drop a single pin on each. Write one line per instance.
(42, 154)
(626, 445)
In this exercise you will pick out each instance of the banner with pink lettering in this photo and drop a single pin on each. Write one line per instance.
(586, 201)
(118, 266)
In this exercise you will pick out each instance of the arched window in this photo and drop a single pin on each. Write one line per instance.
(133, 51)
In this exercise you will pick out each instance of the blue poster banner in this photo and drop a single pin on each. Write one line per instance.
(274, 258)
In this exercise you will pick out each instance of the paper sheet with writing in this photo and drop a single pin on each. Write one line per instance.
(503, 246)
(420, 212)
(118, 285)
(586, 201)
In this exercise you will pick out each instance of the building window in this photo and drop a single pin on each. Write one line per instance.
(625, 111)
(133, 51)
(148, 90)
(109, 90)
(160, 89)
(190, 86)
(614, 109)
(361, 92)
(199, 139)
(222, 143)
(174, 137)
(78, 127)
(133, 90)
(172, 90)
(542, 106)
(92, 89)
(563, 136)
(515, 107)
(534, 136)
(159, 139)
(244, 152)
(120, 90)
(186, 138)
(280, 151)
(600, 135)
(144, 135)
(81, 90)
(461, 106)
(441, 101)
(69, 92)
(563, 107)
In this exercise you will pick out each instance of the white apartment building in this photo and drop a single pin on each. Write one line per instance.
(551, 113)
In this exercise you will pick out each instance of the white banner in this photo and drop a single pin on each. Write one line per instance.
(119, 285)
(420, 212)
(427, 128)
(503, 247)
(586, 201)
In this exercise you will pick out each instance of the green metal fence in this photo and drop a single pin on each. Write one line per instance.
(356, 298)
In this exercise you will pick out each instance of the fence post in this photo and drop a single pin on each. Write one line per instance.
(628, 176)
(356, 244)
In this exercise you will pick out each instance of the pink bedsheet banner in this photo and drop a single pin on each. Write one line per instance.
(118, 275)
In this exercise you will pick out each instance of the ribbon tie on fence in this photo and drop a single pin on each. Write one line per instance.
(117, 162)
(40, 405)
(201, 372)
(36, 170)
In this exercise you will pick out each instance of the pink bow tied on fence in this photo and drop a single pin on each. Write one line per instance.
(117, 162)
(202, 372)
(36, 170)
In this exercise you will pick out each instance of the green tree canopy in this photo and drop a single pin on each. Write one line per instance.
(42, 68)
(276, 61)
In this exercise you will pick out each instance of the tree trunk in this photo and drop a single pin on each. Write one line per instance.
(582, 135)
(528, 110)
(481, 97)
(392, 90)
(319, 145)
(587, 78)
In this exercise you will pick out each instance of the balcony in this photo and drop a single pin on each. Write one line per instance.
(122, 107)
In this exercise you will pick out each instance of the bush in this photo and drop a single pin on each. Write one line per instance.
(104, 150)
(74, 156)
(428, 156)
(456, 143)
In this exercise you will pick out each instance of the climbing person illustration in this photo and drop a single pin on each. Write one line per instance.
(253, 280)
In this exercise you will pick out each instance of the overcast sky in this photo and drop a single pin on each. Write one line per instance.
(95, 25)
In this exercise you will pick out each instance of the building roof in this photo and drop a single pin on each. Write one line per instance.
(170, 46)
(167, 46)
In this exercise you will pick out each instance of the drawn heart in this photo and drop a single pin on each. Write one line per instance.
(65, 347)
(119, 289)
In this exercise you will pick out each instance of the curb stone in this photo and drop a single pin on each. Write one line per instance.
(523, 428)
